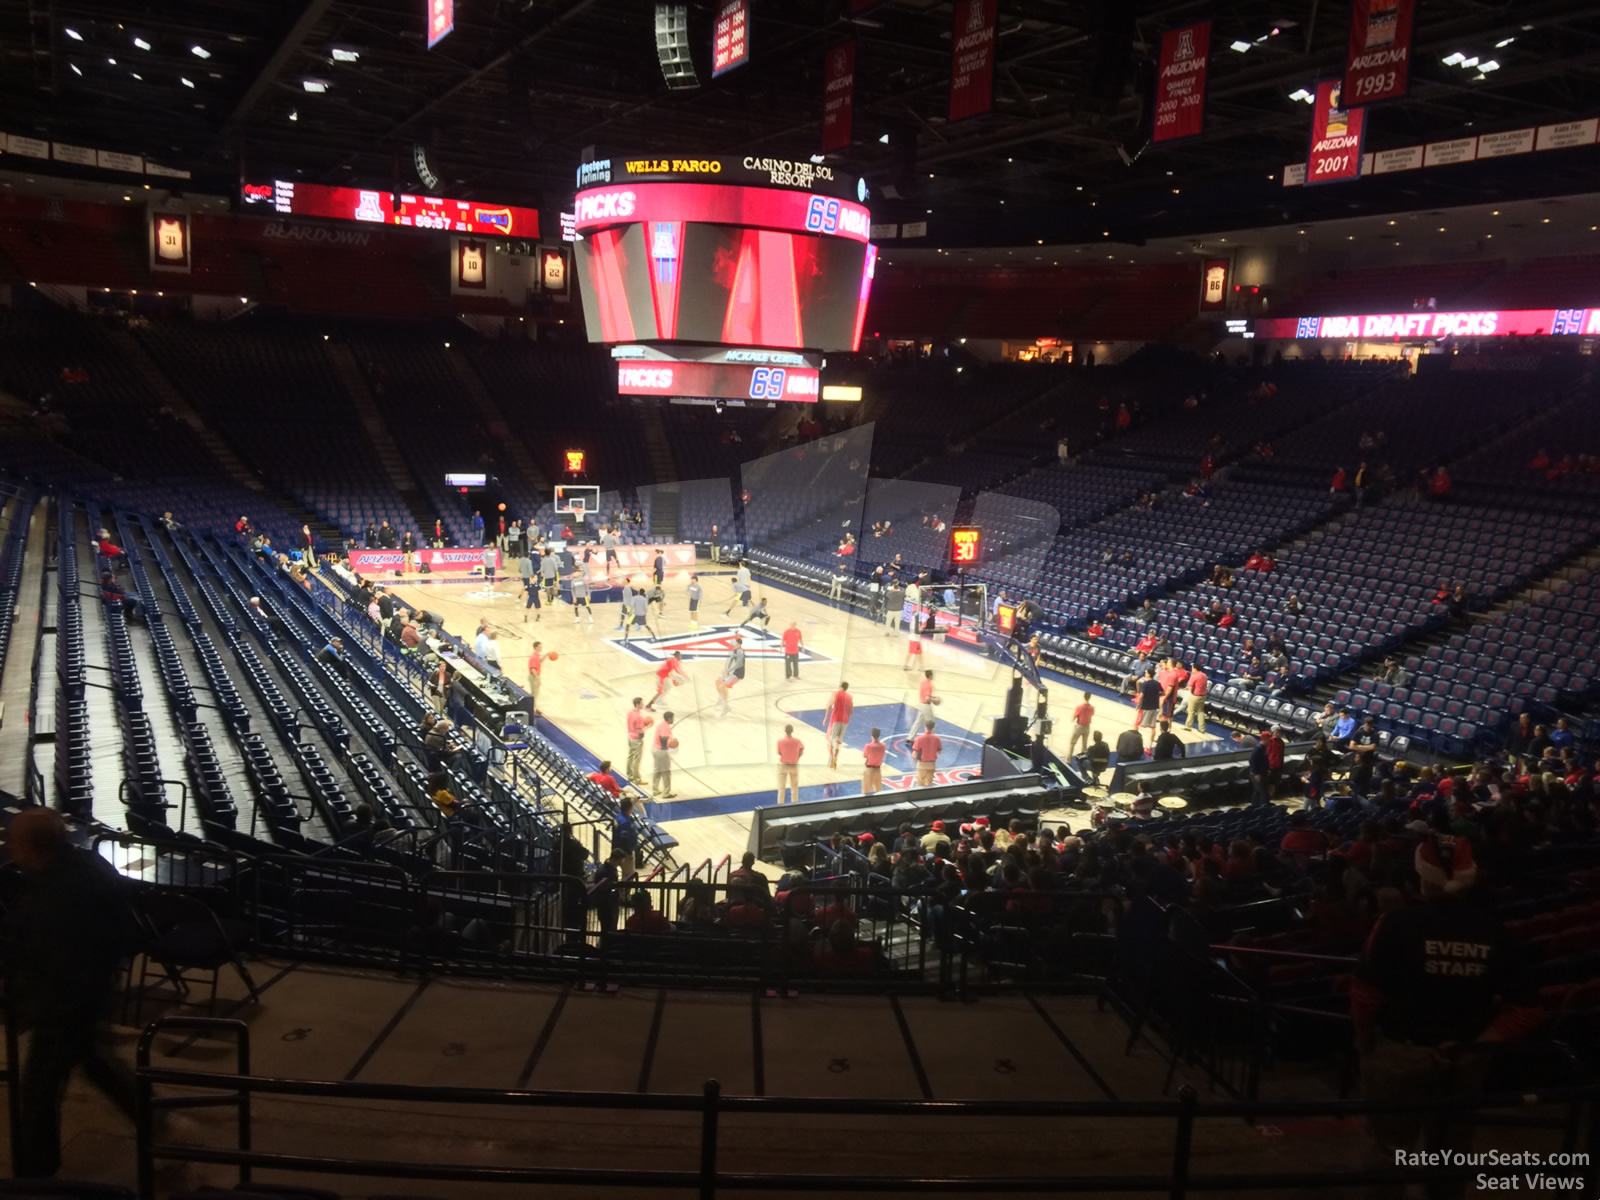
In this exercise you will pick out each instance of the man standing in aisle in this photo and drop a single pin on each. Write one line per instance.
(791, 651)
(790, 748)
(925, 750)
(638, 722)
(838, 720)
(661, 759)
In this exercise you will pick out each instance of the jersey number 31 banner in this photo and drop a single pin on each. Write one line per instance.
(1336, 134)
(972, 59)
(1378, 66)
(1181, 82)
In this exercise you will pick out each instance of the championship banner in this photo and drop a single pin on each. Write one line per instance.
(1181, 83)
(1336, 136)
(972, 59)
(838, 96)
(441, 20)
(1214, 284)
(472, 267)
(169, 242)
(730, 38)
(1378, 66)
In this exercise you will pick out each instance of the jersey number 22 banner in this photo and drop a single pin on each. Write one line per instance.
(1336, 135)
(972, 58)
(1379, 63)
(1181, 82)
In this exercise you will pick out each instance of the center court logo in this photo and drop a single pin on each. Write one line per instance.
(713, 645)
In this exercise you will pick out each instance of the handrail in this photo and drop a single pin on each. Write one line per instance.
(705, 1175)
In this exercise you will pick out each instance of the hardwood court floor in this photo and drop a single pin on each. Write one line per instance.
(724, 762)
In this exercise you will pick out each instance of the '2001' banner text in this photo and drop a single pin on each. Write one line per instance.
(1181, 82)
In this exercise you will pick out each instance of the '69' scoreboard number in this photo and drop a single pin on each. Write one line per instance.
(966, 544)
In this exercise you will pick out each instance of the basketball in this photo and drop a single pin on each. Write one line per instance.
(649, 721)
(553, 655)
(672, 743)
(935, 700)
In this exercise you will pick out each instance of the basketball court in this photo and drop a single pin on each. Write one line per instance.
(725, 766)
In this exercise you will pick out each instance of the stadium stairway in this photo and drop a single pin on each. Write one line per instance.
(516, 451)
(21, 572)
(372, 423)
(662, 464)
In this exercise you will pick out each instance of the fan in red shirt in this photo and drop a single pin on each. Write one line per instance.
(1338, 481)
(1095, 631)
(1260, 561)
(1439, 485)
(603, 777)
(1145, 644)
(1302, 841)
(1229, 618)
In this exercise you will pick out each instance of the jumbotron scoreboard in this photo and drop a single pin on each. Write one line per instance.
(723, 278)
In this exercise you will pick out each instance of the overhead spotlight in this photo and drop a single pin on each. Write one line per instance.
(137, 76)
(1488, 66)
(1241, 47)
(112, 61)
(76, 70)
(294, 114)
(816, 158)
(73, 34)
(1301, 94)
(1504, 42)
(244, 299)
(141, 43)
(1454, 60)
(199, 52)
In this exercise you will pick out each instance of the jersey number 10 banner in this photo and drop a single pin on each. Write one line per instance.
(1378, 66)
(972, 58)
(1181, 82)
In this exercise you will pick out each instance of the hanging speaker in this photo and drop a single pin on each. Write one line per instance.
(1113, 38)
(672, 46)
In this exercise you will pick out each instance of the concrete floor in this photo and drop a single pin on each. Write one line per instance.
(317, 1022)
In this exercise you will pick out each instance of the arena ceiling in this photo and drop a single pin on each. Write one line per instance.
(506, 103)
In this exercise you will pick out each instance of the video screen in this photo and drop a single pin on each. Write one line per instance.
(686, 281)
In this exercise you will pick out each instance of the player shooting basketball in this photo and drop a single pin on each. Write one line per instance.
(668, 675)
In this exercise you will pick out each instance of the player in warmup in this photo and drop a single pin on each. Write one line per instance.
(732, 672)
(659, 567)
(658, 599)
(490, 558)
(926, 699)
(625, 611)
(668, 675)
(549, 575)
(695, 593)
(913, 646)
(608, 540)
(530, 590)
(872, 764)
(741, 590)
(792, 642)
(759, 613)
(662, 745)
(790, 748)
(580, 595)
(638, 722)
(839, 710)
(925, 750)
(640, 604)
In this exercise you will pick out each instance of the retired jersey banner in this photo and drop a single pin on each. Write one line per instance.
(972, 59)
(1181, 82)
(1214, 284)
(1378, 66)
(838, 96)
(730, 39)
(169, 242)
(1336, 134)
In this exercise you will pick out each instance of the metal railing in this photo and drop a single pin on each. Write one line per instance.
(1577, 1117)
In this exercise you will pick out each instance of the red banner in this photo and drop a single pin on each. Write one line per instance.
(1181, 82)
(730, 40)
(441, 20)
(972, 59)
(838, 96)
(1214, 284)
(1378, 66)
(1336, 136)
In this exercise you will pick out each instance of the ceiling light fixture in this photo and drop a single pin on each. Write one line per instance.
(1454, 60)
(1241, 47)
(199, 52)
(76, 70)
(186, 82)
(73, 34)
(141, 43)
(345, 56)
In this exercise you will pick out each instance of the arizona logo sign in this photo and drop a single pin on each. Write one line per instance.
(712, 645)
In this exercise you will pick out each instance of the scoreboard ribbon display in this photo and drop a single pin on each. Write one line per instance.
(1520, 322)
(719, 204)
(719, 381)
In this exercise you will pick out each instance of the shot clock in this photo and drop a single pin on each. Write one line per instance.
(966, 544)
